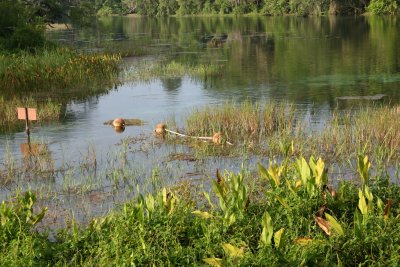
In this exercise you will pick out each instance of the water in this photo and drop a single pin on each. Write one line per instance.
(305, 61)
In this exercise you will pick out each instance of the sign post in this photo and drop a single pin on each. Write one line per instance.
(27, 114)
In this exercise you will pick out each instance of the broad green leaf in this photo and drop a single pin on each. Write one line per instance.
(268, 229)
(274, 172)
(232, 251)
(335, 225)
(304, 170)
(298, 184)
(321, 176)
(380, 204)
(202, 214)
(362, 204)
(368, 194)
(150, 205)
(278, 240)
(215, 262)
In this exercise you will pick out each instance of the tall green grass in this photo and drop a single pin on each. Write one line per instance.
(58, 69)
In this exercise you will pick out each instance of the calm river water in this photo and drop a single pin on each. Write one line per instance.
(305, 61)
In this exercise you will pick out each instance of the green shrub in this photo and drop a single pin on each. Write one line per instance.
(27, 37)
(380, 7)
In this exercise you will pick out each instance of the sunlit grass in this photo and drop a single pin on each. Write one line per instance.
(266, 128)
(60, 69)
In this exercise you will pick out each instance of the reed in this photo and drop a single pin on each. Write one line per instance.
(263, 128)
(241, 122)
(58, 69)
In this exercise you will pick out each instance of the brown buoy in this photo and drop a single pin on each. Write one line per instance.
(217, 138)
(160, 128)
(118, 122)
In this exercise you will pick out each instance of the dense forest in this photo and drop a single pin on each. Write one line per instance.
(263, 7)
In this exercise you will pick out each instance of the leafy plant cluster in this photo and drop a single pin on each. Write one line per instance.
(289, 214)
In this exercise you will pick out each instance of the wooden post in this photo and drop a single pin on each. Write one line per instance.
(27, 125)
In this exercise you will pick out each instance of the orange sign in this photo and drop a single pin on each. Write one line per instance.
(32, 116)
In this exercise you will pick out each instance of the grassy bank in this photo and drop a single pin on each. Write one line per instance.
(287, 214)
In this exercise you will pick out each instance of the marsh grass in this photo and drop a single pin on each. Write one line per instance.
(241, 122)
(58, 69)
(265, 128)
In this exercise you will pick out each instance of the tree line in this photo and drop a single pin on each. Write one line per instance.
(263, 7)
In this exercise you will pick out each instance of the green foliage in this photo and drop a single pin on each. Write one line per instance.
(18, 29)
(268, 7)
(279, 7)
(188, 7)
(380, 7)
(167, 7)
(27, 37)
(273, 225)
(19, 243)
